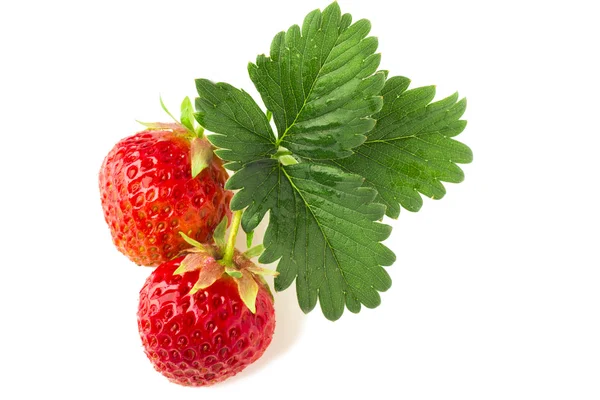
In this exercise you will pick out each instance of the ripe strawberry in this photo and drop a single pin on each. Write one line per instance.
(148, 193)
(198, 324)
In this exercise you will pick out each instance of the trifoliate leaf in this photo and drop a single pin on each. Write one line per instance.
(320, 84)
(322, 228)
(219, 233)
(411, 150)
(242, 132)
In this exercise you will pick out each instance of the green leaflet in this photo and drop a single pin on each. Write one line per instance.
(243, 133)
(411, 150)
(320, 84)
(322, 227)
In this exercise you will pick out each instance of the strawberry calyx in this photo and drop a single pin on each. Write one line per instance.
(213, 263)
(174, 127)
(201, 151)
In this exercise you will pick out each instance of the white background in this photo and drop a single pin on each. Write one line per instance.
(496, 290)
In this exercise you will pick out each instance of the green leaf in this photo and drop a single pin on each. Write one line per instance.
(411, 150)
(219, 233)
(320, 83)
(322, 228)
(241, 130)
(187, 114)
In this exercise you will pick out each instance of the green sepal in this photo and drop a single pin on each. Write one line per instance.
(256, 270)
(209, 273)
(160, 125)
(187, 114)
(232, 272)
(248, 290)
(201, 154)
(191, 262)
(165, 109)
(254, 251)
(219, 233)
(193, 242)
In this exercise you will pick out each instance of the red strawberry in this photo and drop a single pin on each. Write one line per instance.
(148, 193)
(198, 324)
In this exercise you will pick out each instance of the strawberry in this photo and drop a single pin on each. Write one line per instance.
(203, 320)
(149, 195)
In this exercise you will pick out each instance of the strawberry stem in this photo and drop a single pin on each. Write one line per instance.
(235, 227)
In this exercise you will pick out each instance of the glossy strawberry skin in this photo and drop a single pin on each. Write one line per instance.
(148, 196)
(204, 338)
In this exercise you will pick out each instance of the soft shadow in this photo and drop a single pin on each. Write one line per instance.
(289, 323)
